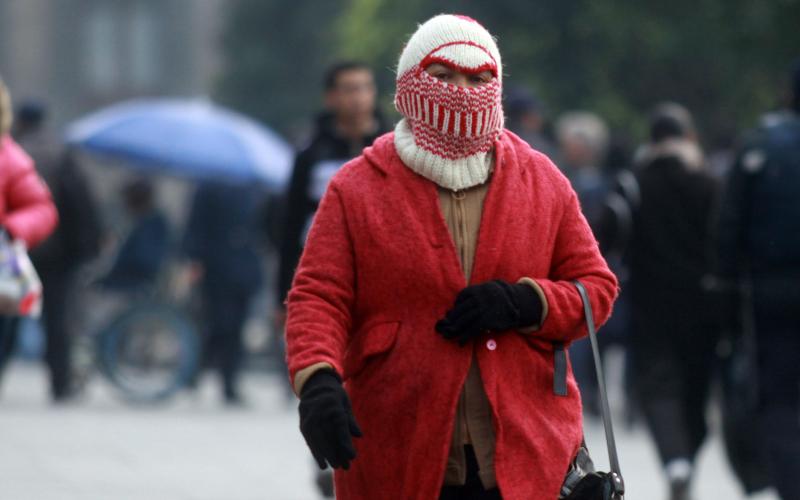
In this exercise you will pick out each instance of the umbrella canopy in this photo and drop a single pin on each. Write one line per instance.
(189, 138)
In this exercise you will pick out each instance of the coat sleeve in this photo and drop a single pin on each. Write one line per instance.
(31, 214)
(576, 256)
(319, 305)
(79, 219)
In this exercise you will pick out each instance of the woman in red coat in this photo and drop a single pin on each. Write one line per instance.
(27, 211)
(435, 290)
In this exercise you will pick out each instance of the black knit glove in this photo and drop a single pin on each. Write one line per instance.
(493, 306)
(326, 420)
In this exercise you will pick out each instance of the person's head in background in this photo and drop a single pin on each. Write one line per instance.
(29, 118)
(524, 112)
(350, 95)
(138, 196)
(582, 140)
(525, 115)
(6, 112)
(672, 134)
(671, 121)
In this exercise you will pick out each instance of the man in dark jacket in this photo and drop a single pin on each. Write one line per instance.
(760, 251)
(222, 245)
(674, 335)
(75, 241)
(348, 124)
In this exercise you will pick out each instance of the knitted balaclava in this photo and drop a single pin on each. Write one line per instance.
(448, 132)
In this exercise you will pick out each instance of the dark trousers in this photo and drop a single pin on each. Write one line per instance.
(57, 354)
(778, 345)
(226, 311)
(780, 435)
(473, 488)
(8, 339)
(673, 353)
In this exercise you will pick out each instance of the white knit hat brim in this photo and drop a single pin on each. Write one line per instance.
(446, 31)
(464, 57)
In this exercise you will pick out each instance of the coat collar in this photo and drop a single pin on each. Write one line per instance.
(382, 154)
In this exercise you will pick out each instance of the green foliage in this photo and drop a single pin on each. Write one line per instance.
(725, 59)
(275, 53)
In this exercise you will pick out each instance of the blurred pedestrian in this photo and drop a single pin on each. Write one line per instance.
(613, 232)
(583, 140)
(221, 243)
(27, 211)
(349, 123)
(144, 250)
(674, 332)
(74, 242)
(760, 250)
(443, 334)
(526, 118)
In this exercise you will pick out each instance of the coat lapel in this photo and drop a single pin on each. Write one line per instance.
(425, 207)
(495, 225)
(496, 221)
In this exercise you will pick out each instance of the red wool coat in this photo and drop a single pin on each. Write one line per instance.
(379, 269)
(27, 211)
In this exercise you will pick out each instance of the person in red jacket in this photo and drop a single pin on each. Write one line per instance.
(27, 211)
(434, 295)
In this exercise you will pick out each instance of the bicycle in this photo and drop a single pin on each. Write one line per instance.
(148, 348)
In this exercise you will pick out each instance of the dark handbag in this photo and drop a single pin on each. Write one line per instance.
(582, 481)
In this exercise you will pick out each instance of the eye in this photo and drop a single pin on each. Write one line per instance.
(480, 78)
(442, 75)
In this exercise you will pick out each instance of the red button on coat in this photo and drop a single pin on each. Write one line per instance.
(491, 344)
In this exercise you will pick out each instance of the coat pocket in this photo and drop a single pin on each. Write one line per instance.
(371, 342)
(557, 352)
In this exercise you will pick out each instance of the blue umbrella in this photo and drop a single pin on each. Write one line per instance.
(189, 138)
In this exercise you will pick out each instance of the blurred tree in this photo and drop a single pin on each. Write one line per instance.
(725, 59)
(275, 53)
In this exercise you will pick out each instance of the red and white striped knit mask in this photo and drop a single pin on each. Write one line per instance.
(448, 120)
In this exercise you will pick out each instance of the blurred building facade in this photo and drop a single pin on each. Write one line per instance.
(80, 55)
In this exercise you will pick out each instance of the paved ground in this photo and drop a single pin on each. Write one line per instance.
(192, 449)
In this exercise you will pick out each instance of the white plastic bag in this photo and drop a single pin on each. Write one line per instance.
(20, 286)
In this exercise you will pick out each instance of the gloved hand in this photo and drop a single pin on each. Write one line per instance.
(494, 305)
(326, 420)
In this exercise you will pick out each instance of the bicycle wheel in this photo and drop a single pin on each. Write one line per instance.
(149, 352)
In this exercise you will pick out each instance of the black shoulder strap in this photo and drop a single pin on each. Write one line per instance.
(605, 411)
